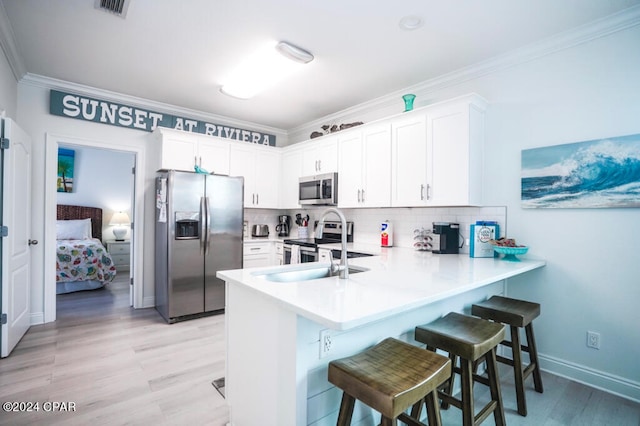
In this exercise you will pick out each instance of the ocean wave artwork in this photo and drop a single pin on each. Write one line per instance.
(591, 174)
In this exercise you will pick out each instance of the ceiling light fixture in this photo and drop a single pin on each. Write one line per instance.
(268, 65)
(411, 22)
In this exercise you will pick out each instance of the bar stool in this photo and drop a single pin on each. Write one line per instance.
(517, 314)
(471, 339)
(390, 377)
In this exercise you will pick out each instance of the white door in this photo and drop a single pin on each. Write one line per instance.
(16, 217)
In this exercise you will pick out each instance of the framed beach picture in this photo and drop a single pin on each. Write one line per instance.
(599, 173)
(66, 162)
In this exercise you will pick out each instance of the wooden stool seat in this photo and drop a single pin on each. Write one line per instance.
(507, 311)
(517, 314)
(390, 377)
(471, 339)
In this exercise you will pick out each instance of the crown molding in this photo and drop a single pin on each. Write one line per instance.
(611, 24)
(8, 43)
(53, 83)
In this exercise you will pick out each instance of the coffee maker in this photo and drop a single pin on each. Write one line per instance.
(446, 238)
(284, 225)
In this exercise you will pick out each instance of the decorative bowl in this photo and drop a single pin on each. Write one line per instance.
(510, 252)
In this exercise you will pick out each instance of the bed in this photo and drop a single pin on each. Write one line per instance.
(82, 262)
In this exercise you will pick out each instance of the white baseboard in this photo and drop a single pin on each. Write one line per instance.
(37, 318)
(616, 385)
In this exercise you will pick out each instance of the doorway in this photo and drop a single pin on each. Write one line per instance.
(53, 142)
(103, 179)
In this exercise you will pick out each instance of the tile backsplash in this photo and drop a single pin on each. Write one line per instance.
(404, 220)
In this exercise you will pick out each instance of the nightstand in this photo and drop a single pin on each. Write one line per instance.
(120, 253)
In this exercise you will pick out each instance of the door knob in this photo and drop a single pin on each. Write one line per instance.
(33, 242)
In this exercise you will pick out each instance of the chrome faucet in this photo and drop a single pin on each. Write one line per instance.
(343, 268)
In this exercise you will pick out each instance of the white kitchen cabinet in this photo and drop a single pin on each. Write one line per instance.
(320, 156)
(278, 253)
(409, 160)
(213, 154)
(290, 172)
(257, 253)
(260, 167)
(183, 150)
(455, 135)
(437, 154)
(364, 175)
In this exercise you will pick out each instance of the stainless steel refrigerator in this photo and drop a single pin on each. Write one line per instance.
(199, 221)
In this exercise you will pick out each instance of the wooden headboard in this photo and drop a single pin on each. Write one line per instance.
(80, 212)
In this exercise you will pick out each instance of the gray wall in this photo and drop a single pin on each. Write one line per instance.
(8, 89)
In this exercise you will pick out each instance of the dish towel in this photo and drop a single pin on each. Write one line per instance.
(295, 253)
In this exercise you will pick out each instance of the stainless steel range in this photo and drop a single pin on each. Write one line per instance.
(308, 247)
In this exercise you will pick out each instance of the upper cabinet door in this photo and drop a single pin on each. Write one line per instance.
(350, 169)
(260, 169)
(376, 166)
(409, 161)
(267, 177)
(179, 151)
(320, 156)
(214, 155)
(290, 173)
(455, 135)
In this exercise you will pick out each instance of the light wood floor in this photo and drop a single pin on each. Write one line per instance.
(124, 366)
(119, 365)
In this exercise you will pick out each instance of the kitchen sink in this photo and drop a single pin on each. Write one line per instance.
(302, 274)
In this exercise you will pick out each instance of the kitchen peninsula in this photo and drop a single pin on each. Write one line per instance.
(276, 366)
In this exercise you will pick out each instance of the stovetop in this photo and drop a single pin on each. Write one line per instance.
(310, 242)
(332, 234)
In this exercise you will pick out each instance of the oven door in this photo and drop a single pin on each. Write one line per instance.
(307, 254)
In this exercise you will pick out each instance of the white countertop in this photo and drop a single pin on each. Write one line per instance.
(398, 280)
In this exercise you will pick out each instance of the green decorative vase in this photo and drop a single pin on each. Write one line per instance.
(408, 102)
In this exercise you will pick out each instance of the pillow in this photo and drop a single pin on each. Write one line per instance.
(73, 229)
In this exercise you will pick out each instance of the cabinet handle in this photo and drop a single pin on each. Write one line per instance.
(421, 192)
(363, 195)
(257, 199)
(195, 160)
(254, 248)
(359, 195)
(319, 165)
(428, 192)
(253, 198)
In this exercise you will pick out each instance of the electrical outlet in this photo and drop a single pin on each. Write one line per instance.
(593, 340)
(325, 343)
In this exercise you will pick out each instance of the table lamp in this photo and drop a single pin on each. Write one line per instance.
(119, 220)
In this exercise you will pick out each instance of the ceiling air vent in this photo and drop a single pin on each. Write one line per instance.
(116, 7)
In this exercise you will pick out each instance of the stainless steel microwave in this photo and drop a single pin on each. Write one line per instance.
(319, 190)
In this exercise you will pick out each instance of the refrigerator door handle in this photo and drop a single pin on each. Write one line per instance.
(203, 225)
(207, 220)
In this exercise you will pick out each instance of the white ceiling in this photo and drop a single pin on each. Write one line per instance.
(177, 51)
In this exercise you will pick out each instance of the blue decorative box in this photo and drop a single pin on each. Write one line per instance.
(481, 233)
